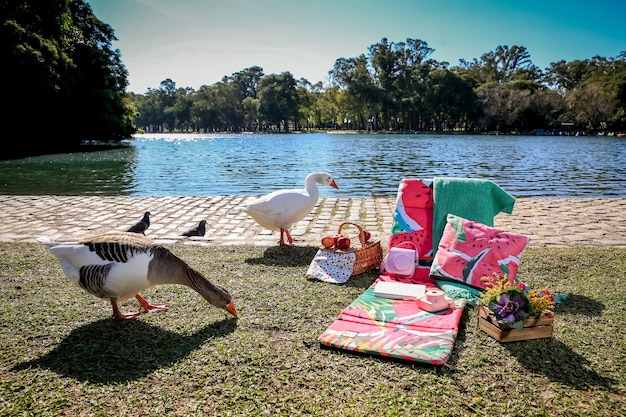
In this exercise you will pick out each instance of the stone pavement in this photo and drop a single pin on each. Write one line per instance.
(547, 221)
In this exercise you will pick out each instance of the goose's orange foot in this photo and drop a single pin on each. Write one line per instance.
(290, 239)
(117, 314)
(147, 307)
(281, 241)
(126, 316)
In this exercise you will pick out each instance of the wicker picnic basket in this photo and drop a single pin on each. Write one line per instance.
(368, 256)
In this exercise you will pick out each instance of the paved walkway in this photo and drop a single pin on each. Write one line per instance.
(547, 221)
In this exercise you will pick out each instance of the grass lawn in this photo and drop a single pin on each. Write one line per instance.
(62, 353)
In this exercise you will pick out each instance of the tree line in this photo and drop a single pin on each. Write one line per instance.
(397, 87)
(65, 84)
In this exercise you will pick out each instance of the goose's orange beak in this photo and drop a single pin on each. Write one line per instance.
(231, 309)
(334, 185)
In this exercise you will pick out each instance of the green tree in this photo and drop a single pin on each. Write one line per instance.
(595, 90)
(409, 86)
(150, 111)
(450, 101)
(361, 100)
(180, 110)
(246, 81)
(61, 74)
(511, 90)
(399, 71)
(384, 61)
(592, 105)
(251, 113)
(565, 76)
(306, 104)
(397, 86)
(240, 87)
(204, 110)
(502, 65)
(326, 108)
(278, 99)
(228, 104)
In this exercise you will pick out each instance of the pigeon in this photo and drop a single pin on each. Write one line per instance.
(142, 225)
(280, 209)
(197, 231)
(118, 265)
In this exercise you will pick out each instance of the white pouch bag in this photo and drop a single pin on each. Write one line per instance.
(400, 262)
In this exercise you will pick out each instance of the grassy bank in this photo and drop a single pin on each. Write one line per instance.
(62, 354)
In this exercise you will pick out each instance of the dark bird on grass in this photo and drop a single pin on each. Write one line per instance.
(142, 225)
(197, 231)
(118, 265)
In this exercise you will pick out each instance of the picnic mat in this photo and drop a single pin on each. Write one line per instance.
(395, 328)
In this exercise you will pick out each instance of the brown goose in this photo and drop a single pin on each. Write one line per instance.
(118, 265)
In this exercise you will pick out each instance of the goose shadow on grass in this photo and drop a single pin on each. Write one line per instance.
(285, 256)
(109, 351)
(296, 256)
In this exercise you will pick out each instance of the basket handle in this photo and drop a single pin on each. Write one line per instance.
(361, 233)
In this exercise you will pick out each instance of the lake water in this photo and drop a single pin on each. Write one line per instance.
(363, 165)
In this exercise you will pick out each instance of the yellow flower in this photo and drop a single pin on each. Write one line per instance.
(541, 300)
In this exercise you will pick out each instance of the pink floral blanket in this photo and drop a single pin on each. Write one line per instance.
(395, 328)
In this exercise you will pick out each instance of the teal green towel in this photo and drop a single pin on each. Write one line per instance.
(471, 198)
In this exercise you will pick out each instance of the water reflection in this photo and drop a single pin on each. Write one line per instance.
(364, 165)
(104, 173)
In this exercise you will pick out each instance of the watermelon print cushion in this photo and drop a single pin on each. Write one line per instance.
(414, 211)
(469, 250)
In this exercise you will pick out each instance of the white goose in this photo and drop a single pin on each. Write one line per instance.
(118, 265)
(279, 210)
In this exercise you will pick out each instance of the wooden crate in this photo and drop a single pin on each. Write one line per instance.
(534, 328)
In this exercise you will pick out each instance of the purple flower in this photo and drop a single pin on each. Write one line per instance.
(509, 308)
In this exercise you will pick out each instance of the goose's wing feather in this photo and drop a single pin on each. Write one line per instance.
(101, 249)
(107, 265)
(120, 237)
(281, 208)
(279, 201)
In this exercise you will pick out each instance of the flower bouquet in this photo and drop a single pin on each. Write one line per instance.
(515, 311)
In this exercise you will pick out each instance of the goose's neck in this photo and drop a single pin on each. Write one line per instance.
(310, 185)
(204, 287)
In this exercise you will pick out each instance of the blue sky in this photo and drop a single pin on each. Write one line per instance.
(197, 42)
